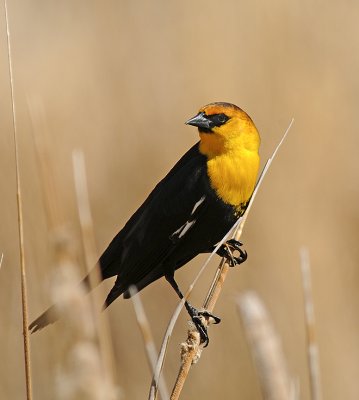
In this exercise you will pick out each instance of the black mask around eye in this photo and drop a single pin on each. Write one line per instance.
(217, 119)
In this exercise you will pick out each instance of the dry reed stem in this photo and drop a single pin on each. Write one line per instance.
(266, 349)
(84, 375)
(147, 337)
(81, 375)
(172, 322)
(189, 352)
(54, 217)
(88, 240)
(1, 260)
(216, 286)
(312, 346)
(24, 299)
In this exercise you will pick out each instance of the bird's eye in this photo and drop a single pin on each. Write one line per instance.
(222, 118)
(219, 119)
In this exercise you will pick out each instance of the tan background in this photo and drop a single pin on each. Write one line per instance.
(118, 79)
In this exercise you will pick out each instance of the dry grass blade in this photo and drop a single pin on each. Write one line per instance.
(147, 338)
(313, 351)
(239, 229)
(88, 239)
(24, 299)
(265, 346)
(161, 357)
(194, 348)
(1, 259)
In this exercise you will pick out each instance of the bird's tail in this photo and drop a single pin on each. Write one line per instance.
(51, 315)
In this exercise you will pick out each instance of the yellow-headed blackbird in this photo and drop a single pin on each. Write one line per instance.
(190, 210)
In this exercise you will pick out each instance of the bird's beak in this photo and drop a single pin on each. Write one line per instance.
(200, 121)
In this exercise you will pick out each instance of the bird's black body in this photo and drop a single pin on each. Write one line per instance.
(181, 218)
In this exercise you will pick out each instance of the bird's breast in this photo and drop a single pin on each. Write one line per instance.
(233, 177)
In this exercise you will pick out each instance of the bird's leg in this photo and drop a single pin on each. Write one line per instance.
(194, 313)
(227, 249)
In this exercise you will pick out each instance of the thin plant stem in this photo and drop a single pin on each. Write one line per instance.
(88, 239)
(88, 347)
(24, 298)
(54, 216)
(173, 320)
(147, 337)
(312, 346)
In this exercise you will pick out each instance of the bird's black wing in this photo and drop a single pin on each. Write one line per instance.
(161, 223)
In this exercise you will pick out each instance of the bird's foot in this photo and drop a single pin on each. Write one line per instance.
(227, 249)
(198, 318)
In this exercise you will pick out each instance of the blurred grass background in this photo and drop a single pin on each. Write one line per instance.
(118, 79)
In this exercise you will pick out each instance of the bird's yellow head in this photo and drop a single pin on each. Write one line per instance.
(230, 141)
(223, 128)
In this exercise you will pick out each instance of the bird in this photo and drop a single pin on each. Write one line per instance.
(188, 212)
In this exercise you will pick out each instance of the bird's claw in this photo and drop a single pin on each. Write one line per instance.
(227, 249)
(197, 319)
